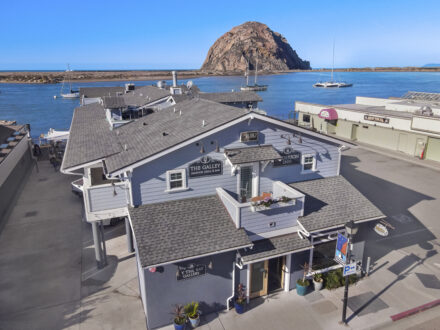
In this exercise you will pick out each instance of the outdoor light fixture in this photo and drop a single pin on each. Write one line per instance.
(202, 150)
(217, 147)
(300, 140)
(351, 228)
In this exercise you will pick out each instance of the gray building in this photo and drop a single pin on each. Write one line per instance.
(191, 183)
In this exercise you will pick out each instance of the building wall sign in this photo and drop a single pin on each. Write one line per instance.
(190, 271)
(378, 119)
(289, 157)
(329, 114)
(205, 166)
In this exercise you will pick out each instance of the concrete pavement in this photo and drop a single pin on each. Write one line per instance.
(48, 277)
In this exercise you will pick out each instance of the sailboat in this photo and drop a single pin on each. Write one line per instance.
(255, 86)
(71, 94)
(331, 83)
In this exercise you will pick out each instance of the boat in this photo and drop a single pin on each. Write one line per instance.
(53, 135)
(331, 83)
(255, 87)
(71, 94)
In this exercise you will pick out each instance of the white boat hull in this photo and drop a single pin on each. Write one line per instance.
(254, 88)
(74, 95)
(329, 84)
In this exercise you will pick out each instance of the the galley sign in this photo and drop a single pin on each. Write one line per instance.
(190, 270)
(205, 166)
(289, 157)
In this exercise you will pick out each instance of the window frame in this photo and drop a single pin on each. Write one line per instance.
(184, 186)
(304, 116)
(303, 158)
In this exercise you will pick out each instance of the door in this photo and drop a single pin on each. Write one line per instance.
(420, 145)
(246, 183)
(403, 142)
(433, 149)
(276, 274)
(259, 275)
(354, 129)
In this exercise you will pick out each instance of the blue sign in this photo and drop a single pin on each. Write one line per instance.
(350, 269)
(341, 249)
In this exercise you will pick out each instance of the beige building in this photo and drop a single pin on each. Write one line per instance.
(410, 124)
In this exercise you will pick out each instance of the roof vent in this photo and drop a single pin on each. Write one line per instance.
(125, 147)
(180, 112)
(144, 123)
(164, 134)
(203, 123)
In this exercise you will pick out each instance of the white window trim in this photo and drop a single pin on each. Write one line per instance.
(184, 181)
(303, 171)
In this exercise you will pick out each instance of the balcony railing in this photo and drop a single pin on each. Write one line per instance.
(285, 206)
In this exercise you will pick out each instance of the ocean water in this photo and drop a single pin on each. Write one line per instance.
(34, 104)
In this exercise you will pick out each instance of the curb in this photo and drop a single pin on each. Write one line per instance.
(415, 310)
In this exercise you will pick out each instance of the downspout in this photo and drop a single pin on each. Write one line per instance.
(233, 283)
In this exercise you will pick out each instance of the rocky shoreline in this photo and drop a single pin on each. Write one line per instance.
(43, 77)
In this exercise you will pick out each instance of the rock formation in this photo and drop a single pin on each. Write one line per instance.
(235, 48)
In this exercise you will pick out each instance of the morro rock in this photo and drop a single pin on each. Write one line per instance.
(233, 50)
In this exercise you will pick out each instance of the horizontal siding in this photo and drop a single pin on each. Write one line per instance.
(258, 222)
(149, 180)
(101, 199)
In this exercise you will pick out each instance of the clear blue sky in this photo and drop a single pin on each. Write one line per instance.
(177, 34)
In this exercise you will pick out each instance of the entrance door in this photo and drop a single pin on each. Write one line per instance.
(276, 274)
(259, 276)
(420, 145)
(246, 180)
(403, 141)
(354, 129)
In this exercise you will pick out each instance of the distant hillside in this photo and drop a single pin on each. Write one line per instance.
(233, 50)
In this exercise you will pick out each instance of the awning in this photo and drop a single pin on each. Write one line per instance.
(330, 114)
(252, 154)
(274, 247)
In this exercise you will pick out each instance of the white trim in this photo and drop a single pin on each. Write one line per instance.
(184, 187)
(77, 167)
(287, 269)
(273, 233)
(303, 157)
(341, 225)
(250, 115)
(248, 284)
(199, 256)
(276, 256)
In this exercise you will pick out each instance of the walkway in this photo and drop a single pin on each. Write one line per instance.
(48, 277)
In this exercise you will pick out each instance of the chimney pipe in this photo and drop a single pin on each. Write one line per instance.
(174, 78)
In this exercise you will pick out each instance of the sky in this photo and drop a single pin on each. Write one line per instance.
(39, 35)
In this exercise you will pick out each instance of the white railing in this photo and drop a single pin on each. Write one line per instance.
(107, 196)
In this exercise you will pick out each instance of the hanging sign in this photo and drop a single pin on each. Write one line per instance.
(205, 166)
(341, 249)
(378, 119)
(289, 157)
(349, 269)
(190, 271)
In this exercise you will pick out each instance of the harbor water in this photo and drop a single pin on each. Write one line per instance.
(35, 104)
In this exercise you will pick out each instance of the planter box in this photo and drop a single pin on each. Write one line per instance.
(277, 205)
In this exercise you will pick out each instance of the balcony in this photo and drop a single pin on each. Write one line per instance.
(263, 218)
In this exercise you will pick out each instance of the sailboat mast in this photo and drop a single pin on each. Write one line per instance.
(256, 69)
(247, 72)
(333, 64)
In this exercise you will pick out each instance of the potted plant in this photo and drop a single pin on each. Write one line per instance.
(179, 317)
(302, 283)
(284, 200)
(240, 300)
(318, 281)
(193, 313)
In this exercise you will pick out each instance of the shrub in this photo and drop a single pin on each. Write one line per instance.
(335, 279)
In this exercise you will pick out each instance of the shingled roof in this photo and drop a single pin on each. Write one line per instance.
(332, 202)
(163, 129)
(252, 154)
(144, 95)
(183, 229)
(92, 92)
(276, 246)
(90, 137)
(231, 97)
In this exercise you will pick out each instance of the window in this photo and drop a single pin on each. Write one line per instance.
(249, 136)
(176, 180)
(309, 163)
(306, 118)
